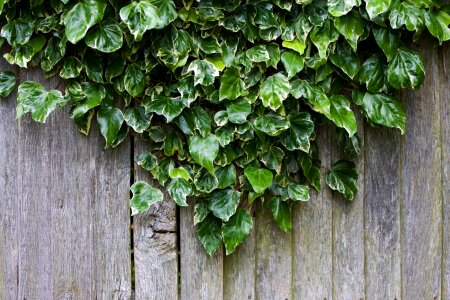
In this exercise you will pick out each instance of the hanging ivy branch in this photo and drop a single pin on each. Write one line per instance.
(229, 94)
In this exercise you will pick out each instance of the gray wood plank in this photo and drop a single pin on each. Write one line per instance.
(155, 244)
(201, 275)
(9, 212)
(422, 185)
(348, 234)
(382, 213)
(312, 237)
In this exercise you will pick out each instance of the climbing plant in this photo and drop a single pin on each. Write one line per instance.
(228, 94)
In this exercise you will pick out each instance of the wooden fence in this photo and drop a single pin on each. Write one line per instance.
(66, 231)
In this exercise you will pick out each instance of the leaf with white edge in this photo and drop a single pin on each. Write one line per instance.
(17, 32)
(204, 72)
(231, 84)
(271, 124)
(204, 150)
(375, 8)
(298, 192)
(144, 196)
(258, 54)
(237, 111)
(71, 68)
(223, 203)
(109, 120)
(300, 130)
(339, 8)
(236, 230)
(81, 17)
(272, 158)
(282, 214)
(179, 173)
(342, 177)
(94, 94)
(140, 17)
(134, 80)
(166, 12)
(105, 37)
(274, 90)
(179, 189)
(201, 211)
(165, 106)
(323, 36)
(406, 69)
(7, 83)
(33, 98)
(210, 234)
(137, 118)
(259, 178)
(147, 161)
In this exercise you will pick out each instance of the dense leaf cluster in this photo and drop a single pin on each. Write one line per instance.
(229, 94)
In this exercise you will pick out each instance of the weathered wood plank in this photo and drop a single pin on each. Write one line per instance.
(422, 185)
(201, 275)
(348, 234)
(382, 213)
(155, 244)
(313, 237)
(9, 202)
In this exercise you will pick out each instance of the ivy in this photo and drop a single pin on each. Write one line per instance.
(229, 95)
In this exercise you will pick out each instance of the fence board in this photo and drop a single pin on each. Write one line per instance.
(422, 186)
(313, 239)
(155, 244)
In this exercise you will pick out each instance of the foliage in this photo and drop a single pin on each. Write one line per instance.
(229, 94)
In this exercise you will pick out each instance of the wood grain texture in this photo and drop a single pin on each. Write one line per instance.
(312, 237)
(422, 185)
(201, 275)
(155, 244)
(348, 233)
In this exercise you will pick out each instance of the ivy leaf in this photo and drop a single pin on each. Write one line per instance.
(179, 189)
(282, 214)
(205, 182)
(344, 58)
(81, 17)
(204, 72)
(311, 169)
(223, 203)
(71, 68)
(437, 23)
(226, 176)
(259, 178)
(165, 106)
(33, 98)
(322, 36)
(375, 8)
(134, 80)
(342, 115)
(144, 196)
(17, 32)
(407, 14)
(166, 12)
(372, 74)
(210, 234)
(406, 69)
(140, 17)
(300, 129)
(384, 110)
(298, 192)
(342, 177)
(258, 54)
(194, 119)
(147, 161)
(387, 40)
(94, 94)
(339, 8)
(204, 151)
(231, 84)
(137, 118)
(7, 83)
(274, 90)
(351, 26)
(109, 120)
(271, 124)
(201, 211)
(106, 37)
(237, 111)
(272, 158)
(236, 230)
(292, 62)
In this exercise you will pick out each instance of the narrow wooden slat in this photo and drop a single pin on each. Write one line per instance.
(201, 275)
(422, 185)
(382, 213)
(155, 244)
(313, 237)
(348, 234)
(9, 202)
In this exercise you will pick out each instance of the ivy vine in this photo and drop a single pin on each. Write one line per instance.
(229, 94)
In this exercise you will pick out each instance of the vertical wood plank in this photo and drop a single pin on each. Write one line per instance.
(9, 212)
(348, 234)
(422, 185)
(382, 213)
(155, 244)
(201, 275)
(312, 236)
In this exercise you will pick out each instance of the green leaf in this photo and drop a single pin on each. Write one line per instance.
(109, 120)
(272, 158)
(341, 114)
(258, 54)
(282, 214)
(236, 230)
(298, 192)
(137, 118)
(311, 169)
(437, 23)
(195, 119)
(406, 69)
(375, 8)
(179, 173)
(204, 72)
(166, 12)
(387, 40)
(71, 68)
(226, 176)
(344, 58)
(179, 189)
(210, 234)
(237, 111)
(384, 110)
(293, 63)
(144, 196)
(231, 84)
(81, 17)
(339, 8)
(165, 106)
(407, 14)
(342, 177)
(259, 178)
(147, 161)
(105, 37)
(322, 36)
(372, 74)
(201, 211)
(205, 182)
(299, 132)
(33, 98)
(204, 150)
(223, 203)
(271, 124)
(140, 17)
(134, 80)
(274, 90)
(351, 26)
(7, 83)
(17, 32)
